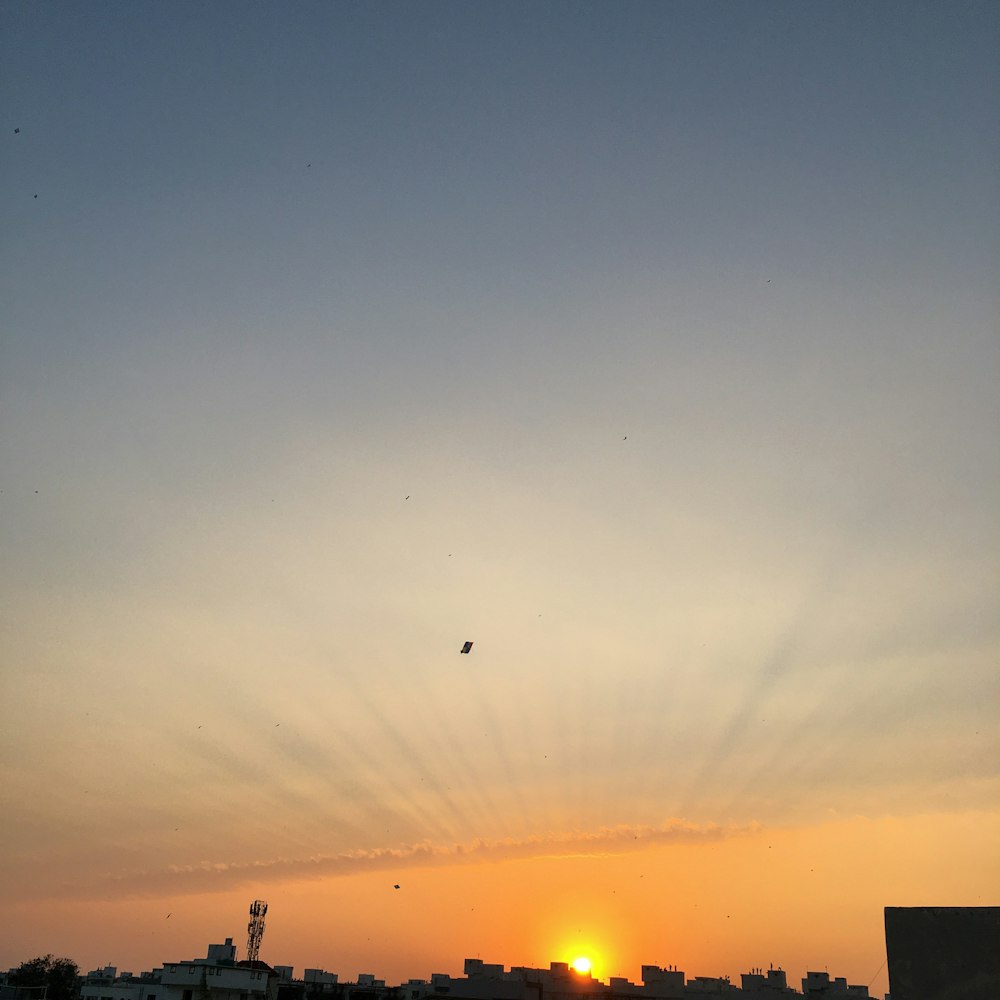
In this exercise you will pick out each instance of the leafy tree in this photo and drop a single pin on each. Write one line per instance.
(47, 977)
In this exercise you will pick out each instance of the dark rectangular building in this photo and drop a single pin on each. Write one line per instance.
(943, 952)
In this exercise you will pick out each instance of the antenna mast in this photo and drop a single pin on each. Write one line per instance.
(255, 929)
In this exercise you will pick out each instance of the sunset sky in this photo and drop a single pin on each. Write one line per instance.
(653, 347)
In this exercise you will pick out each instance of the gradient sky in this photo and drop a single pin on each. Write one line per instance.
(651, 346)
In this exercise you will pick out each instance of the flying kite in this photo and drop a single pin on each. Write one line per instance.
(466, 648)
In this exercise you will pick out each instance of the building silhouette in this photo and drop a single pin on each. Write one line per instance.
(943, 952)
(219, 976)
(933, 953)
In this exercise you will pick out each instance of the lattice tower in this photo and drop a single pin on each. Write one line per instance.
(255, 929)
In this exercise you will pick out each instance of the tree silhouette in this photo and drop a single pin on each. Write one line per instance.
(47, 978)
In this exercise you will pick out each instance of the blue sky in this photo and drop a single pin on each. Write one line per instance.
(653, 347)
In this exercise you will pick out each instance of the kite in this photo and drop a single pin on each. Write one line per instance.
(466, 648)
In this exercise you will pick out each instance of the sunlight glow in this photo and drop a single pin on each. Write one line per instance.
(581, 965)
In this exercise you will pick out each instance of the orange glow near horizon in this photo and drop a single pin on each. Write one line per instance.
(773, 895)
(581, 965)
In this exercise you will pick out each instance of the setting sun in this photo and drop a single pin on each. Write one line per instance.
(581, 965)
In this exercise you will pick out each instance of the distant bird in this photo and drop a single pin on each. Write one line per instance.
(16, 131)
(36, 195)
(168, 915)
(466, 648)
(396, 886)
(407, 497)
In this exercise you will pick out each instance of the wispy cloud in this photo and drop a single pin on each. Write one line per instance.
(208, 876)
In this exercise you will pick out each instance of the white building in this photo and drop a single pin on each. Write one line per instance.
(218, 976)
(106, 984)
(819, 984)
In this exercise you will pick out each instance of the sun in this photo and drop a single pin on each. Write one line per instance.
(581, 965)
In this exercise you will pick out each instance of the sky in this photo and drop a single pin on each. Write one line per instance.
(652, 347)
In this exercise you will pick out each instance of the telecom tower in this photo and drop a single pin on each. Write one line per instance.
(255, 929)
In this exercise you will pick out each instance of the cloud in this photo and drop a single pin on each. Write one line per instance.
(211, 876)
